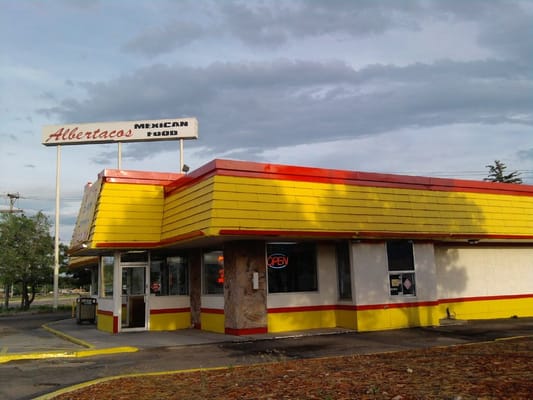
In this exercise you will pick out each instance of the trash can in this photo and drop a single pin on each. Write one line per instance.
(85, 310)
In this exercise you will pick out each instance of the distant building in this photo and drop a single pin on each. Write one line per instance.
(245, 248)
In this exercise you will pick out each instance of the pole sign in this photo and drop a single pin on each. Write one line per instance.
(127, 131)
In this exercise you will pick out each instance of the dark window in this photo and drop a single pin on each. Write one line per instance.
(178, 275)
(134, 256)
(107, 268)
(342, 252)
(401, 268)
(169, 276)
(291, 267)
(213, 273)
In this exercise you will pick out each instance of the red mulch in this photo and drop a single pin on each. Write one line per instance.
(495, 370)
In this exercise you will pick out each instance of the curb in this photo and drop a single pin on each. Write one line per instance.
(52, 395)
(89, 352)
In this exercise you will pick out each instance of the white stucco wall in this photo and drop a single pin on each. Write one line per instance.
(370, 274)
(215, 301)
(166, 302)
(327, 284)
(483, 271)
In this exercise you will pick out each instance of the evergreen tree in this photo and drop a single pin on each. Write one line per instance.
(497, 174)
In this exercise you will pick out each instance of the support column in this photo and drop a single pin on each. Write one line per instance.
(195, 289)
(245, 307)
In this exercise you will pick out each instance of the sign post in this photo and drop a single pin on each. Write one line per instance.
(56, 234)
(111, 132)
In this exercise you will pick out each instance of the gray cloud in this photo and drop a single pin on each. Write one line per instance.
(161, 40)
(502, 25)
(258, 105)
(526, 154)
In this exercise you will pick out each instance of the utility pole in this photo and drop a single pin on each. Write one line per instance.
(13, 197)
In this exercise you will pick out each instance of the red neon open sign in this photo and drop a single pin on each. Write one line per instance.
(277, 260)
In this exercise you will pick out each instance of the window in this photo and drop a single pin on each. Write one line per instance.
(134, 256)
(169, 276)
(94, 281)
(108, 267)
(401, 268)
(342, 253)
(213, 273)
(178, 275)
(291, 267)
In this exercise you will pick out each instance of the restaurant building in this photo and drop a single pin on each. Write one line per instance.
(247, 248)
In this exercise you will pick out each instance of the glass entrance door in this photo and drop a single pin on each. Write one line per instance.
(134, 296)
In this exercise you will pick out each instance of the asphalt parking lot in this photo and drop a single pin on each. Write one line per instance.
(43, 353)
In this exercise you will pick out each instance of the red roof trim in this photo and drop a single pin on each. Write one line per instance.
(368, 234)
(276, 233)
(309, 174)
(151, 245)
(139, 177)
(177, 181)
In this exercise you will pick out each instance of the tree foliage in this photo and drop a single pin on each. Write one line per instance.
(26, 254)
(79, 278)
(497, 174)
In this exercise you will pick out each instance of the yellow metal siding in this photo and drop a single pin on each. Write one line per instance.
(105, 323)
(141, 213)
(128, 213)
(486, 309)
(170, 321)
(251, 203)
(188, 210)
(212, 322)
(293, 321)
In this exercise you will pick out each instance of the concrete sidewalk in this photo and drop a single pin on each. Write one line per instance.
(66, 338)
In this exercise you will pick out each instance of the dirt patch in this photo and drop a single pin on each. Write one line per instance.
(496, 370)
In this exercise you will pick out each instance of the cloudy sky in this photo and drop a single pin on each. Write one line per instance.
(434, 88)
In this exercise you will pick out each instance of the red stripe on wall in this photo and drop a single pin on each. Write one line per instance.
(385, 306)
(302, 309)
(246, 331)
(170, 311)
(106, 313)
(396, 305)
(486, 298)
(211, 311)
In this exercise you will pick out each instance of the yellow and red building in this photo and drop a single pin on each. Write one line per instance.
(244, 248)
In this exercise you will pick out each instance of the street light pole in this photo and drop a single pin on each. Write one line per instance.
(56, 239)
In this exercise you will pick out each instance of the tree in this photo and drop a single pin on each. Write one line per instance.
(72, 278)
(26, 253)
(497, 174)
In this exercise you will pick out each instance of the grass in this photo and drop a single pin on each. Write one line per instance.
(42, 304)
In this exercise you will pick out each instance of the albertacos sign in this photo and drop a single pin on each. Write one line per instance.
(127, 131)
